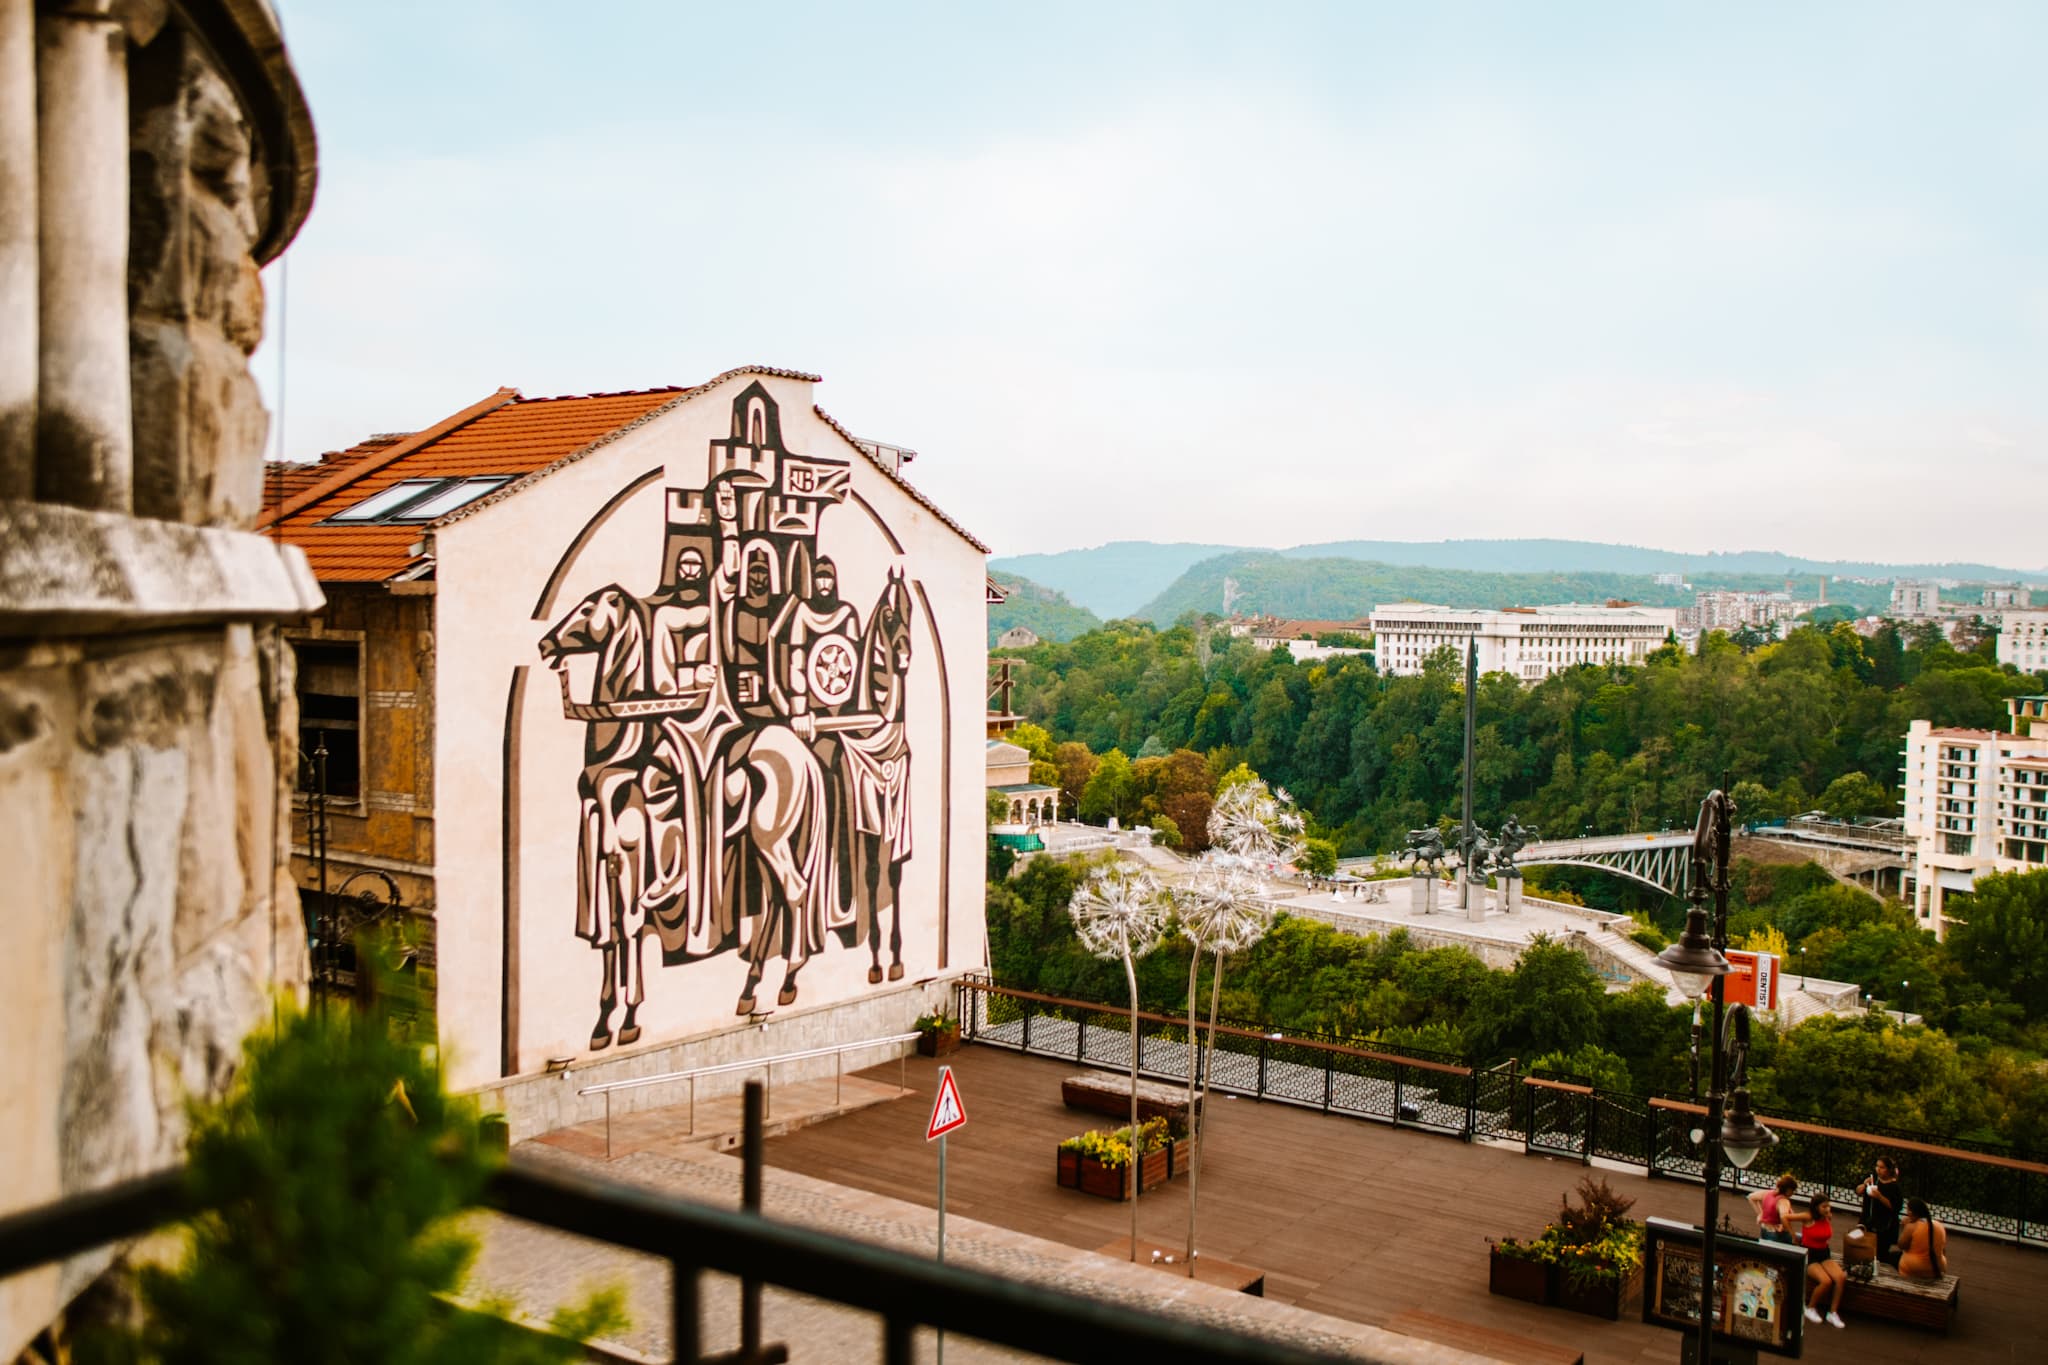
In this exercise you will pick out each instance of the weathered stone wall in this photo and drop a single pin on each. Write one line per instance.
(147, 717)
(195, 300)
(139, 789)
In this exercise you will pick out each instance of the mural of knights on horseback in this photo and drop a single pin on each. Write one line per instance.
(746, 766)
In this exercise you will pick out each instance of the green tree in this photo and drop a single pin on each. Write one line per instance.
(1862, 1072)
(998, 807)
(332, 1170)
(2004, 942)
(1853, 796)
(1108, 790)
(1587, 1064)
(1550, 1002)
(1318, 857)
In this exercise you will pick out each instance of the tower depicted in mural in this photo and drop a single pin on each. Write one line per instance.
(745, 784)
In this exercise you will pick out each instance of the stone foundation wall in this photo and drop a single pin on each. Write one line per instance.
(542, 1102)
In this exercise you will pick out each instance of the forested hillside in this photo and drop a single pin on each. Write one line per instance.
(1339, 589)
(1121, 578)
(1613, 748)
(1044, 611)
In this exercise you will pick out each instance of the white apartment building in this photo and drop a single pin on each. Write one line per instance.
(1913, 598)
(1723, 610)
(1529, 642)
(2023, 640)
(1976, 801)
(2008, 597)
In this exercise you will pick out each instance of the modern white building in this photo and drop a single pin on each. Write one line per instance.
(2023, 640)
(1976, 801)
(2008, 597)
(1723, 610)
(1529, 642)
(1913, 598)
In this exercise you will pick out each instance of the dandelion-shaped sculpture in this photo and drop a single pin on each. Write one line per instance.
(1222, 911)
(1120, 913)
(1262, 827)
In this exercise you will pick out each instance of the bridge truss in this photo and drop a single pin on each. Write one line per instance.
(1661, 861)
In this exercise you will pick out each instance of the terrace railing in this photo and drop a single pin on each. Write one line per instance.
(903, 1291)
(1969, 1186)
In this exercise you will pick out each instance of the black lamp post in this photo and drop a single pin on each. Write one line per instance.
(1699, 967)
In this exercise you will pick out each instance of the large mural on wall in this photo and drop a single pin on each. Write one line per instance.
(745, 785)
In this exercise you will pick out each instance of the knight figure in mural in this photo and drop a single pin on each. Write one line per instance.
(746, 776)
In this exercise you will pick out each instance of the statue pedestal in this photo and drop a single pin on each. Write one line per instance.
(1422, 895)
(1475, 901)
(1511, 893)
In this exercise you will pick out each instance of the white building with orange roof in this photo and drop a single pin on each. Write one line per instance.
(660, 714)
(1975, 801)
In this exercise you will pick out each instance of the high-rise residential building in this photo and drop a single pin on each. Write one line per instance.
(2008, 597)
(1976, 801)
(2023, 640)
(1724, 610)
(1529, 642)
(1913, 598)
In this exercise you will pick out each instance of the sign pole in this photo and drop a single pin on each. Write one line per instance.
(940, 1359)
(947, 1114)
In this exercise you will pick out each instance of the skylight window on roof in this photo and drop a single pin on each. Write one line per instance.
(378, 506)
(440, 504)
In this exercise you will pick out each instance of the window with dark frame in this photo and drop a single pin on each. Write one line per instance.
(331, 715)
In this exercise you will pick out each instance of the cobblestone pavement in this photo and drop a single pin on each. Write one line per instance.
(536, 1269)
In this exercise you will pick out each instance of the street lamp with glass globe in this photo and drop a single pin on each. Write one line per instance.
(1698, 968)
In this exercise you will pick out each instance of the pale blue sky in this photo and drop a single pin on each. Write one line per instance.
(1703, 277)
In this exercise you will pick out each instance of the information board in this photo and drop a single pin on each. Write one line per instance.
(1759, 1291)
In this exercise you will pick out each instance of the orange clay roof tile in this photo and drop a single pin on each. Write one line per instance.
(506, 434)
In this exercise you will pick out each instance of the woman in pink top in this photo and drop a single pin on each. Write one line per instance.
(1770, 1208)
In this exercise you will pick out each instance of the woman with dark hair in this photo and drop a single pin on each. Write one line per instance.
(1771, 1207)
(1923, 1244)
(1881, 1204)
(1817, 1234)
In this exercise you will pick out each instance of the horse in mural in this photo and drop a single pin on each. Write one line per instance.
(877, 772)
(614, 830)
(776, 874)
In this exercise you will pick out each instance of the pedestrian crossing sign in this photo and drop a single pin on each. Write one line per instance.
(947, 1113)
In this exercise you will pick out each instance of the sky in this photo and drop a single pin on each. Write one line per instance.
(1741, 276)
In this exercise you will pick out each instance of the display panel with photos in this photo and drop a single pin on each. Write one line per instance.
(1759, 1289)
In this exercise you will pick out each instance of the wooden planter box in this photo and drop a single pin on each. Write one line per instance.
(1514, 1278)
(1179, 1153)
(941, 1043)
(1084, 1173)
(1601, 1301)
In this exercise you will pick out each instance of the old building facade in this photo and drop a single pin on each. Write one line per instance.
(152, 157)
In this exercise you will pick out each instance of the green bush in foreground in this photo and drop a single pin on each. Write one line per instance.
(331, 1171)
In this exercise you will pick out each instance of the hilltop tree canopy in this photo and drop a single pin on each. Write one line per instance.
(1816, 716)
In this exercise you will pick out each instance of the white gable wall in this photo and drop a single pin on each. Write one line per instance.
(508, 758)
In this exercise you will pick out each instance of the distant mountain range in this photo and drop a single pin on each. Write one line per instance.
(1139, 577)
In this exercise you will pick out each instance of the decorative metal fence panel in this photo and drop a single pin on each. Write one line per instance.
(1968, 1187)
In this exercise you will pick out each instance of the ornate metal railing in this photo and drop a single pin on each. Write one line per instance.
(1969, 1186)
(904, 1292)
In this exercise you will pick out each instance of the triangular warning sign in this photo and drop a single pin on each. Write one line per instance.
(947, 1111)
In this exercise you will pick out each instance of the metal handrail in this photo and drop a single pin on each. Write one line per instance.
(766, 1065)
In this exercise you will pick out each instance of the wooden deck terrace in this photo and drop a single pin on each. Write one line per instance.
(1347, 1217)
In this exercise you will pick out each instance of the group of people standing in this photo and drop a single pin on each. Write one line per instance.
(1903, 1234)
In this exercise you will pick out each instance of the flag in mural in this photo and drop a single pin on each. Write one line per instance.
(746, 768)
